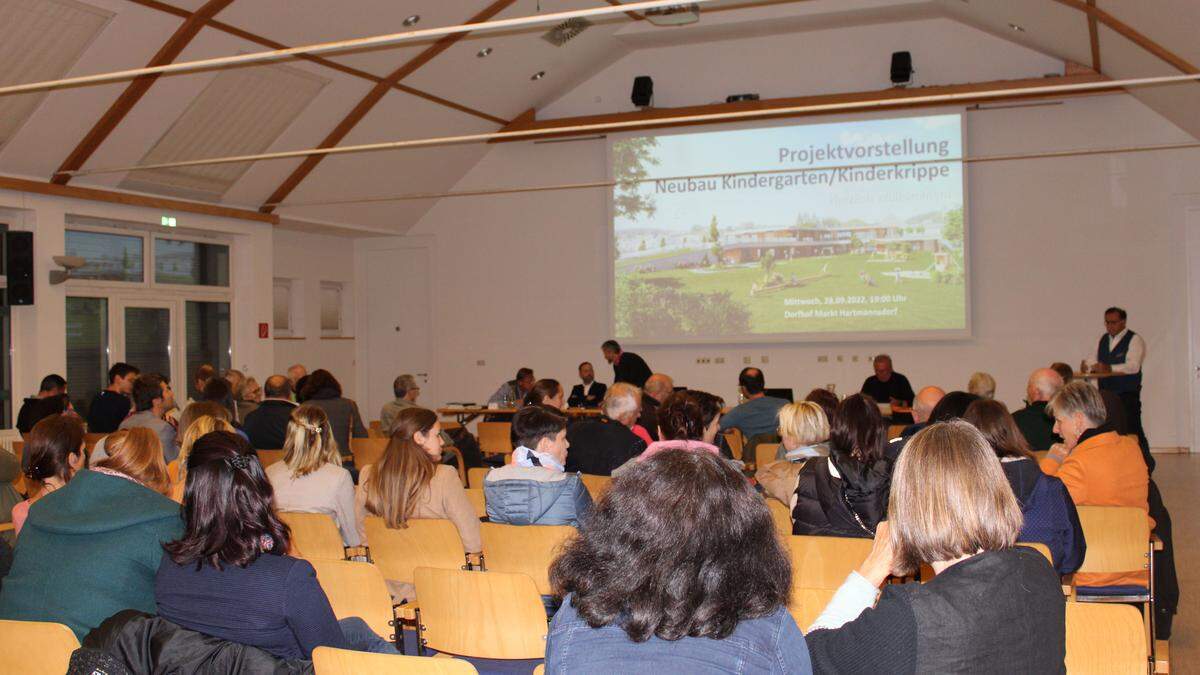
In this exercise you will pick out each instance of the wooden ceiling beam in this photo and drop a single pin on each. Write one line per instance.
(1128, 32)
(633, 15)
(371, 99)
(321, 60)
(528, 121)
(131, 199)
(136, 89)
(1094, 38)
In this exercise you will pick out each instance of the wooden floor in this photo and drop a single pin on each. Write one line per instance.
(1178, 477)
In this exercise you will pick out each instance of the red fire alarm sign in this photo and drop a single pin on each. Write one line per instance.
(264, 330)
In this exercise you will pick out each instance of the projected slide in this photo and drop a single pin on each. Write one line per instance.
(852, 227)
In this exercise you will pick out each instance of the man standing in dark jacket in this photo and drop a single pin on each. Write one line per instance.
(266, 426)
(627, 366)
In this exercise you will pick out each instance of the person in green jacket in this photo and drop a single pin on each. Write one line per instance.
(91, 548)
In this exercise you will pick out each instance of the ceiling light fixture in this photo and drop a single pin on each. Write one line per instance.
(483, 52)
(412, 20)
(538, 75)
(1017, 28)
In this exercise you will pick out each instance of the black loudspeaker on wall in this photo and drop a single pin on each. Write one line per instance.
(643, 91)
(901, 67)
(18, 263)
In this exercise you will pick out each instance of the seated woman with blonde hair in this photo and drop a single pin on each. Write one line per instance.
(408, 482)
(804, 432)
(992, 607)
(311, 479)
(197, 420)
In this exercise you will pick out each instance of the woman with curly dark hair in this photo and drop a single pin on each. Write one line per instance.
(230, 576)
(654, 581)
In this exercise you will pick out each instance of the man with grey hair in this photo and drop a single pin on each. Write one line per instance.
(407, 390)
(888, 386)
(604, 443)
(1033, 420)
(658, 388)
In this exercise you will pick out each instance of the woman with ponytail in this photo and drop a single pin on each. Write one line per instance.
(229, 575)
(52, 455)
(310, 479)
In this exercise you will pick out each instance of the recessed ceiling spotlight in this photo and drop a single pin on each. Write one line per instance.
(483, 52)
(538, 75)
(412, 20)
(1017, 28)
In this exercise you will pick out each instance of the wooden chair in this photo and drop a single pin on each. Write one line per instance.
(462, 463)
(781, 515)
(736, 442)
(424, 543)
(750, 451)
(475, 476)
(764, 454)
(819, 566)
(90, 441)
(330, 661)
(477, 500)
(269, 457)
(36, 647)
(495, 437)
(1105, 640)
(596, 485)
(489, 615)
(524, 549)
(315, 536)
(358, 589)
(894, 430)
(367, 451)
(1118, 541)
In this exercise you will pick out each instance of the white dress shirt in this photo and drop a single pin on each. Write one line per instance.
(1133, 358)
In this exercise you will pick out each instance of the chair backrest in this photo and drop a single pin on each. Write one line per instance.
(819, 566)
(894, 430)
(35, 647)
(18, 448)
(426, 542)
(357, 589)
(764, 454)
(489, 615)
(1118, 539)
(475, 496)
(524, 549)
(1105, 639)
(596, 485)
(330, 661)
(736, 442)
(315, 536)
(269, 457)
(475, 476)
(367, 451)
(495, 437)
(781, 515)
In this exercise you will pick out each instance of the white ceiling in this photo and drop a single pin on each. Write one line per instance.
(589, 74)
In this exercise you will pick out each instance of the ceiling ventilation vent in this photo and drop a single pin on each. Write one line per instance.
(674, 15)
(566, 31)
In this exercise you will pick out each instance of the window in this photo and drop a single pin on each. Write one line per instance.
(110, 257)
(331, 308)
(190, 263)
(148, 339)
(87, 350)
(282, 306)
(208, 327)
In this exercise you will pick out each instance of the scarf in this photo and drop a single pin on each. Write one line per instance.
(523, 456)
(691, 446)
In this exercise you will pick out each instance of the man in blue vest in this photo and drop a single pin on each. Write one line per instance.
(1120, 355)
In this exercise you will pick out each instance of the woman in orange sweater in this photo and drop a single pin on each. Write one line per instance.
(1099, 466)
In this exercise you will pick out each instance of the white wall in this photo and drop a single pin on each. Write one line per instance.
(38, 334)
(311, 259)
(522, 280)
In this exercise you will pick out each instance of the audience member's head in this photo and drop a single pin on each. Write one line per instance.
(151, 392)
(199, 409)
(586, 372)
(395, 483)
(228, 511)
(545, 392)
(681, 418)
(52, 385)
(277, 387)
(711, 406)
(856, 431)
(926, 400)
(611, 350)
(982, 385)
(623, 403)
(1066, 372)
(121, 377)
(251, 391)
(406, 387)
(237, 382)
(1043, 384)
(684, 526)
(299, 387)
(294, 373)
(54, 451)
(204, 373)
(1076, 407)
(998, 427)
(524, 380)
(952, 406)
(824, 398)
(217, 390)
(949, 498)
(752, 382)
(309, 442)
(802, 424)
(883, 367)
(659, 387)
(321, 384)
(206, 417)
(543, 430)
(138, 454)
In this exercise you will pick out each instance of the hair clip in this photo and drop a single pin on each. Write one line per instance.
(239, 461)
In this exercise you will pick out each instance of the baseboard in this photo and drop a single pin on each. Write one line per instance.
(1171, 450)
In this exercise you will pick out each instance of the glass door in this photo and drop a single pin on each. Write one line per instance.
(147, 336)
